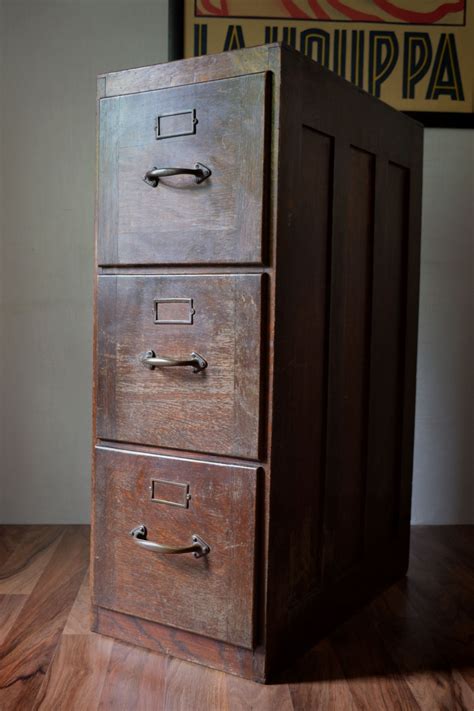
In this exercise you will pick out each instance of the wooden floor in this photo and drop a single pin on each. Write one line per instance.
(410, 649)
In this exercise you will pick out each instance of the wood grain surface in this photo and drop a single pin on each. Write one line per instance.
(410, 649)
(344, 344)
(217, 221)
(315, 379)
(213, 595)
(216, 410)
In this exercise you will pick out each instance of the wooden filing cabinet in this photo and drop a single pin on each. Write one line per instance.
(258, 230)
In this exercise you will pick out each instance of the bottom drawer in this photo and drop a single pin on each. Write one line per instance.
(174, 499)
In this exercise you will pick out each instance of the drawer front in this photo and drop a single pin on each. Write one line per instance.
(216, 316)
(218, 124)
(175, 499)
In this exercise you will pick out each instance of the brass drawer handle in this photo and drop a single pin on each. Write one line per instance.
(198, 547)
(151, 360)
(200, 171)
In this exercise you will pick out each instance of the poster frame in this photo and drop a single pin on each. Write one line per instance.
(429, 119)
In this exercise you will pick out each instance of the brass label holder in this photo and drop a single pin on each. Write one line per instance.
(174, 311)
(171, 493)
(184, 125)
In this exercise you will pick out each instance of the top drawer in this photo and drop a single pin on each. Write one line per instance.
(218, 124)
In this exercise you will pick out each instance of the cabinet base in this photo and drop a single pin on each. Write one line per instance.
(181, 644)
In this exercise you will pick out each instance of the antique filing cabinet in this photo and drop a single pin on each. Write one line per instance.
(258, 231)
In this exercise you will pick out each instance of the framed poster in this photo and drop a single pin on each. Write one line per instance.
(416, 55)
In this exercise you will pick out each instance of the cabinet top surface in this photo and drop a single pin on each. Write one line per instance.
(258, 55)
(268, 57)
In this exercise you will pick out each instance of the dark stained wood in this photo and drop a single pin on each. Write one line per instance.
(411, 648)
(217, 221)
(216, 410)
(202, 69)
(21, 567)
(76, 678)
(179, 643)
(385, 688)
(387, 360)
(354, 355)
(10, 608)
(133, 679)
(77, 621)
(343, 508)
(29, 645)
(212, 595)
(328, 688)
(300, 375)
(330, 330)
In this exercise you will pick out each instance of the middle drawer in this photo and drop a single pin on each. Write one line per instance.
(152, 333)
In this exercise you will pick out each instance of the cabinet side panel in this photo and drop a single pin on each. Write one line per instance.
(345, 352)
(305, 187)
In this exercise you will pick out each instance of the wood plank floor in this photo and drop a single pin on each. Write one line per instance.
(412, 648)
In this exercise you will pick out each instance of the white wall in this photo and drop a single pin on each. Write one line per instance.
(443, 486)
(2, 310)
(53, 50)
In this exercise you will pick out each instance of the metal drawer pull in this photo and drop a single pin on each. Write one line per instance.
(151, 360)
(198, 547)
(200, 171)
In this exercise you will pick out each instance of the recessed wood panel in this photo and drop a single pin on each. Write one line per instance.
(212, 595)
(388, 353)
(216, 410)
(354, 358)
(307, 376)
(219, 124)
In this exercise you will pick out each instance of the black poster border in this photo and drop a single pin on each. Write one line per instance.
(429, 119)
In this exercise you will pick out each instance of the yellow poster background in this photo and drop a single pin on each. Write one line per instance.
(415, 55)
